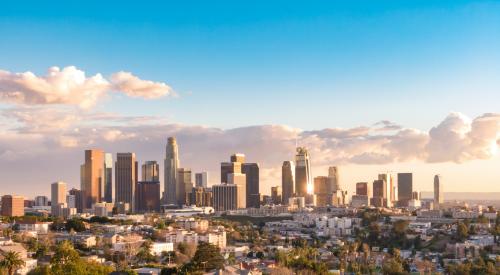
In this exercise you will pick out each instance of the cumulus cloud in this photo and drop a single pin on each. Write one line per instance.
(71, 86)
(133, 86)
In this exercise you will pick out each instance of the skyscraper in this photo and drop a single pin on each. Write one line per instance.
(108, 178)
(379, 193)
(363, 189)
(323, 194)
(126, 178)
(302, 172)
(92, 177)
(78, 199)
(201, 179)
(226, 196)
(184, 185)
(58, 196)
(170, 171)
(276, 194)
(389, 180)
(12, 206)
(405, 188)
(148, 196)
(150, 170)
(240, 180)
(334, 179)
(251, 170)
(234, 166)
(287, 180)
(438, 191)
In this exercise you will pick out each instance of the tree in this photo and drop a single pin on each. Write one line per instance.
(207, 257)
(144, 253)
(11, 261)
(462, 231)
(65, 253)
(393, 267)
(75, 224)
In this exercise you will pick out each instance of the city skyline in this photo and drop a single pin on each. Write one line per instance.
(403, 87)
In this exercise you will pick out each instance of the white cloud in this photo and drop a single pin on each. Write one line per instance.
(71, 86)
(133, 86)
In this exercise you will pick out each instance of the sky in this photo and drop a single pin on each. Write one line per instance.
(370, 86)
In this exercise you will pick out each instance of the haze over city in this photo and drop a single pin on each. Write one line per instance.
(383, 87)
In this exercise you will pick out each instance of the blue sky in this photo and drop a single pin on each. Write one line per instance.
(308, 65)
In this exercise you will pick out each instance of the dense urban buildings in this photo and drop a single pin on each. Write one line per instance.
(334, 179)
(171, 164)
(234, 166)
(184, 185)
(148, 196)
(58, 196)
(200, 197)
(276, 194)
(126, 176)
(150, 171)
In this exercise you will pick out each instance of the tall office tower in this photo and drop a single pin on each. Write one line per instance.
(234, 166)
(201, 179)
(438, 191)
(12, 206)
(302, 172)
(379, 193)
(184, 185)
(276, 194)
(92, 177)
(126, 176)
(363, 189)
(58, 197)
(405, 188)
(226, 196)
(41, 201)
(108, 177)
(415, 195)
(287, 180)
(170, 171)
(71, 201)
(240, 180)
(389, 196)
(334, 179)
(150, 170)
(148, 196)
(200, 197)
(323, 194)
(251, 170)
(238, 157)
(78, 199)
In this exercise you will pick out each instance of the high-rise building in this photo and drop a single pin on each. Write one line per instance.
(276, 194)
(251, 171)
(170, 171)
(288, 180)
(148, 196)
(71, 201)
(334, 179)
(323, 194)
(41, 201)
(12, 206)
(302, 172)
(389, 180)
(201, 179)
(200, 197)
(226, 196)
(92, 177)
(126, 175)
(58, 196)
(363, 189)
(78, 199)
(438, 191)
(238, 157)
(379, 193)
(184, 184)
(150, 171)
(405, 188)
(108, 177)
(240, 180)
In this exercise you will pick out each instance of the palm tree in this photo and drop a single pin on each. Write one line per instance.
(11, 261)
